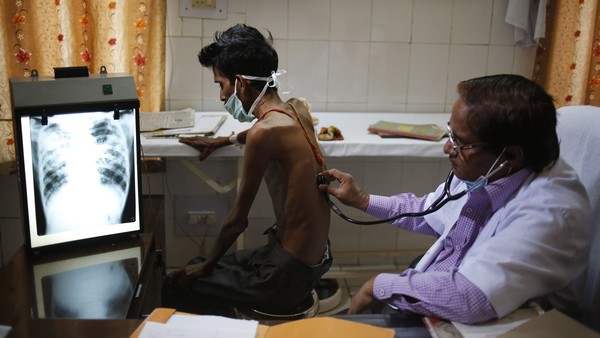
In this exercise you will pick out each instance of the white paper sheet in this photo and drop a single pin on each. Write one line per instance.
(186, 326)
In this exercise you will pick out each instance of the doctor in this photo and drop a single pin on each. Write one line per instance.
(522, 231)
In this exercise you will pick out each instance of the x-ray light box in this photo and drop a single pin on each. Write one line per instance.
(77, 145)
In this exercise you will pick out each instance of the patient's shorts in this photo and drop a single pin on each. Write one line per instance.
(268, 279)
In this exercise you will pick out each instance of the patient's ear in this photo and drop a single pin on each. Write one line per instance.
(243, 83)
(242, 88)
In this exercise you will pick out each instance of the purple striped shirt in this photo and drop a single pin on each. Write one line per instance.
(440, 290)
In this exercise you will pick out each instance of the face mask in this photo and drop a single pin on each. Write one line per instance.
(236, 109)
(482, 181)
(234, 105)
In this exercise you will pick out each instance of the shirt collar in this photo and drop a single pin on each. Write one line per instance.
(500, 190)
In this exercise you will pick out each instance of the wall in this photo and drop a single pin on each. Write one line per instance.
(351, 56)
(356, 55)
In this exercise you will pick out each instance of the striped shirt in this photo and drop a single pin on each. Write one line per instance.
(440, 290)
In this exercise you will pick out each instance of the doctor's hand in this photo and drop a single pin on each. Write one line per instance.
(348, 191)
(363, 299)
(205, 145)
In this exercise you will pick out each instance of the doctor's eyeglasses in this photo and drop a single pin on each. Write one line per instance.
(455, 147)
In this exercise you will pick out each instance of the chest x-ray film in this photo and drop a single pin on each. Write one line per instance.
(77, 150)
(98, 286)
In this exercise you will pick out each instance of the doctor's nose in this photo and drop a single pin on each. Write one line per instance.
(448, 149)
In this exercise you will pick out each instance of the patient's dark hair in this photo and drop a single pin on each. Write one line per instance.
(505, 110)
(241, 50)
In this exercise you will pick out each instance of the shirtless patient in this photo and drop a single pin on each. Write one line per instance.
(281, 147)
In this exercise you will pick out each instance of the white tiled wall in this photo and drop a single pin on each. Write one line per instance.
(356, 55)
(353, 56)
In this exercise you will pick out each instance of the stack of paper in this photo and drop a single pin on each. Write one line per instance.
(204, 125)
(165, 322)
(430, 132)
(183, 326)
(167, 120)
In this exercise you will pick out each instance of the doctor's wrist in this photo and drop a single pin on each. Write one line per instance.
(363, 201)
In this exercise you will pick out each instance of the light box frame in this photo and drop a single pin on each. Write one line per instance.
(46, 98)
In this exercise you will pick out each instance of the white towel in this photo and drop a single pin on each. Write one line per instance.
(529, 20)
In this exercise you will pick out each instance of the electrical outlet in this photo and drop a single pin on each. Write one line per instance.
(199, 215)
(201, 218)
(204, 4)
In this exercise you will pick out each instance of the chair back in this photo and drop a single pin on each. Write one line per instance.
(579, 134)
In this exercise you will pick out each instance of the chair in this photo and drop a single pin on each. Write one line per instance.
(307, 309)
(579, 134)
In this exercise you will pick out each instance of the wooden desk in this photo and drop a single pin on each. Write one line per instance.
(74, 328)
(29, 284)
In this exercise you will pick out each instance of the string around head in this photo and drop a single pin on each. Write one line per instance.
(272, 80)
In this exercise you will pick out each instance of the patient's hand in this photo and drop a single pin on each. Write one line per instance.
(205, 145)
(183, 277)
(196, 270)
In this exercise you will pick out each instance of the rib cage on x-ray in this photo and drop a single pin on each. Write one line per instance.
(83, 164)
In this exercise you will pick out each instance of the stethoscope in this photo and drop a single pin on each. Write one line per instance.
(444, 198)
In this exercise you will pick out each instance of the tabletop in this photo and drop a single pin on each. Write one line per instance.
(357, 139)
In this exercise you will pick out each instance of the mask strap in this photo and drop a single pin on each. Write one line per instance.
(492, 172)
(482, 180)
(271, 82)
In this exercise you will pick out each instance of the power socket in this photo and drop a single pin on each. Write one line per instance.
(204, 4)
(206, 218)
(199, 215)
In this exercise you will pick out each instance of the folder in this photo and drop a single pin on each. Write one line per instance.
(318, 327)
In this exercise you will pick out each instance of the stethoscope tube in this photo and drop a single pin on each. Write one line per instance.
(435, 206)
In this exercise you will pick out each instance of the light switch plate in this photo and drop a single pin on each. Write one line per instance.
(186, 9)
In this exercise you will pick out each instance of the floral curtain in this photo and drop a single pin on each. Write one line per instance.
(125, 36)
(567, 62)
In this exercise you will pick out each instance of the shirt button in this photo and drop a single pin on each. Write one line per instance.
(381, 292)
(457, 248)
(469, 210)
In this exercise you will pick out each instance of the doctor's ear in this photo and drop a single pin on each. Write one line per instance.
(515, 155)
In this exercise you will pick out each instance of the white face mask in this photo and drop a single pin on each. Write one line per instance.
(234, 106)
